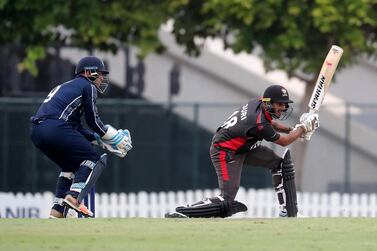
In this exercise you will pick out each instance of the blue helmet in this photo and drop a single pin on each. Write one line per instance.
(92, 63)
(93, 66)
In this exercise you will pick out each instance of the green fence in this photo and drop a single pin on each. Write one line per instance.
(171, 148)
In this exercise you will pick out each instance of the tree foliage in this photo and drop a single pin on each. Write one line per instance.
(292, 35)
(88, 24)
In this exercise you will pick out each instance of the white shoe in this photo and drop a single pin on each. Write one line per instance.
(301, 216)
(283, 213)
(175, 215)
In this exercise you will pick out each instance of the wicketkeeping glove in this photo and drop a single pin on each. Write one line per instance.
(127, 137)
(108, 147)
(115, 141)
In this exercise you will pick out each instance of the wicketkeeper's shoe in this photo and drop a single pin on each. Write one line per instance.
(55, 214)
(175, 215)
(72, 202)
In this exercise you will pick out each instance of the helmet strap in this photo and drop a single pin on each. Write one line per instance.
(269, 109)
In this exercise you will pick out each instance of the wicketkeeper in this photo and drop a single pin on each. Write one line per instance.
(237, 143)
(57, 131)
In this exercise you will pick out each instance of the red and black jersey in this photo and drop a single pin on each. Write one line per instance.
(244, 128)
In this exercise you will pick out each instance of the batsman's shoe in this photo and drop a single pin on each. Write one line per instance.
(175, 215)
(283, 213)
(72, 203)
(301, 216)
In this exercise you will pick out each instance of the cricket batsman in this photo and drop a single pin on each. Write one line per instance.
(237, 142)
(57, 131)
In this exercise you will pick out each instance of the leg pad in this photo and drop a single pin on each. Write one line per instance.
(288, 173)
(96, 172)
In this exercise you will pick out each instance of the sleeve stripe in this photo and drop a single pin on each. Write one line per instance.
(94, 113)
(65, 117)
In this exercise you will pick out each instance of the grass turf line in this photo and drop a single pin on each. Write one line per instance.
(139, 234)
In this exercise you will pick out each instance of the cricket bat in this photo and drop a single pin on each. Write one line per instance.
(324, 79)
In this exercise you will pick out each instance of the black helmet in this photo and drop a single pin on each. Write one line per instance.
(90, 63)
(93, 65)
(276, 94)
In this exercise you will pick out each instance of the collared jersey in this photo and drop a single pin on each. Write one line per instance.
(69, 101)
(245, 127)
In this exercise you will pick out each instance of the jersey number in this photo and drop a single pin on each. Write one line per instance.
(51, 94)
(231, 121)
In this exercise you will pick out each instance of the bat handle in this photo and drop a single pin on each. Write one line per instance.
(312, 111)
(308, 135)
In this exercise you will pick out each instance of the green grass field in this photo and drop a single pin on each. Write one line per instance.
(136, 234)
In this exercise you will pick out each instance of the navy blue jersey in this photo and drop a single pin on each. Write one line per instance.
(245, 127)
(69, 101)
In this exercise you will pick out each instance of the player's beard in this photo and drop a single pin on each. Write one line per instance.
(284, 114)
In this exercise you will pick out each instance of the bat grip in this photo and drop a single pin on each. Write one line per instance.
(308, 135)
(312, 111)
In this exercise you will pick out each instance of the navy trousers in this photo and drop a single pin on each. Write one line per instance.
(63, 144)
